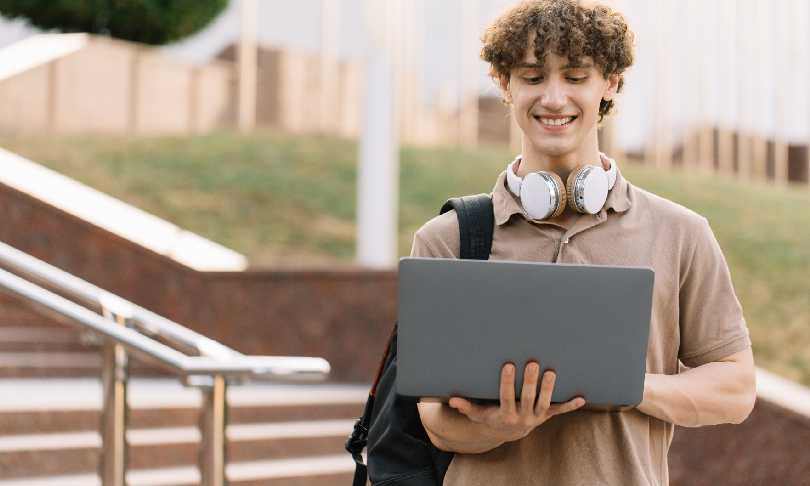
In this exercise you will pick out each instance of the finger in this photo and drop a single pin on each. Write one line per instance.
(546, 389)
(566, 407)
(472, 411)
(529, 392)
(507, 393)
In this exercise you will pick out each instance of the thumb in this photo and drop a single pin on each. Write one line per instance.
(467, 408)
(457, 403)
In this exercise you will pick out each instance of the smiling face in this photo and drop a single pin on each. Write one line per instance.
(557, 105)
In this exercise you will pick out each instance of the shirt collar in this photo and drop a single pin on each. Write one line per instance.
(505, 204)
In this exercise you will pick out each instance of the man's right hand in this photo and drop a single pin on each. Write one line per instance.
(513, 420)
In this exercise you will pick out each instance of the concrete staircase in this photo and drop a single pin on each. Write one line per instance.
(33, 346)
(38, 350)
(50, 411)
(278, 434)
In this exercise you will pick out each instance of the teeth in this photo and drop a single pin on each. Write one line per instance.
(556, 121)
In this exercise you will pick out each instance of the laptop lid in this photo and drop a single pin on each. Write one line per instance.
(461, 320)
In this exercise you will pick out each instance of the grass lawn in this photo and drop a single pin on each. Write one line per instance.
(285, 200)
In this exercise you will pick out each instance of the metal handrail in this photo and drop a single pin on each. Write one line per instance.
(282, 367)
(130, 329)
(147, 321)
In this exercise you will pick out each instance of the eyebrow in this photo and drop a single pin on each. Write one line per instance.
(567, 66)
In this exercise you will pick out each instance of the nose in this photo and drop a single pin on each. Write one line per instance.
(553, 98)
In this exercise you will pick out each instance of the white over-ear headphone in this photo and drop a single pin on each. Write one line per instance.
(543, 194)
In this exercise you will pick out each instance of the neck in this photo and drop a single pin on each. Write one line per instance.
(533, 160)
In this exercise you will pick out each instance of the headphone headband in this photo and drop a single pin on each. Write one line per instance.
(612, 169)
(512, 180)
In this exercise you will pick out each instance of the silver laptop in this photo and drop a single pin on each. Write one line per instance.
(461, 320)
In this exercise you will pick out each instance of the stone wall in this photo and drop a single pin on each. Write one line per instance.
(767, 449)
(343, 315)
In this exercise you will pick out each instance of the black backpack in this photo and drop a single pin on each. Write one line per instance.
(399, 450)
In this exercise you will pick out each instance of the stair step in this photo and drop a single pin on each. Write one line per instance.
(14, 312)
(266, 421)
(31, 339)
(24, 395)
(78, 360)
(46, 421)
(71, 405)
(178, 435)
(41, 362)
(326, 470)
(42, 334)
(78, 452)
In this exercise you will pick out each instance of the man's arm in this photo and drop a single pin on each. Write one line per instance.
(719, 392)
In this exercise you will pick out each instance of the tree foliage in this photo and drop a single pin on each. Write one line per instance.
(150, 21)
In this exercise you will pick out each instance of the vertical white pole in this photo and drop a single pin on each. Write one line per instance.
(247, 64)
(690, 77)
(662, 151)
(728, 106)
(746, 35)
(378, 175)
(651, 142)
(788, 72)
(330, 38)
(780, 65)
(762, 119)
(416, 43)
(400, 12)
(403, 70)
(468, 116)
(802, 28)
(706, 39)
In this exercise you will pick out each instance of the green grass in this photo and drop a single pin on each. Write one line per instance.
(285, 200)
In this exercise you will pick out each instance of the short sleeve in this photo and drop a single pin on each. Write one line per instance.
(438, 238)
(712, 325)
(420, 247)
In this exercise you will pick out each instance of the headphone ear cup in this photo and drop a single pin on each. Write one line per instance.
(562, 200)
(593, 189)
(571, 190)
(542, 195)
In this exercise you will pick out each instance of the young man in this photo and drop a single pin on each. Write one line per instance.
(560, 64)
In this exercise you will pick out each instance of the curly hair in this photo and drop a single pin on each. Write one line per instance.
(567, 27)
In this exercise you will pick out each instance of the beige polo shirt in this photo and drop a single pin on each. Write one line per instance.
(696, 318)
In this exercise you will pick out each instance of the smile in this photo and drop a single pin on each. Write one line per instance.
(556, 121)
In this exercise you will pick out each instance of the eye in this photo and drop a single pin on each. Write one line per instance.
(533, 79)
(574, 79)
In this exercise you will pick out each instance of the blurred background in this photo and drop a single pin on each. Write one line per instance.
(253, 170)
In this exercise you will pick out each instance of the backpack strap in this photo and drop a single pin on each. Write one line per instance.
(359, 438)
(476, 223)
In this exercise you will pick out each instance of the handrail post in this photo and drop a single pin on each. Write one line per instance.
(213, 422)
(115, 412)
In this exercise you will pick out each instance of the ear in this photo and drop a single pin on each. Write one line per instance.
(503, 81)
(612, 87)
